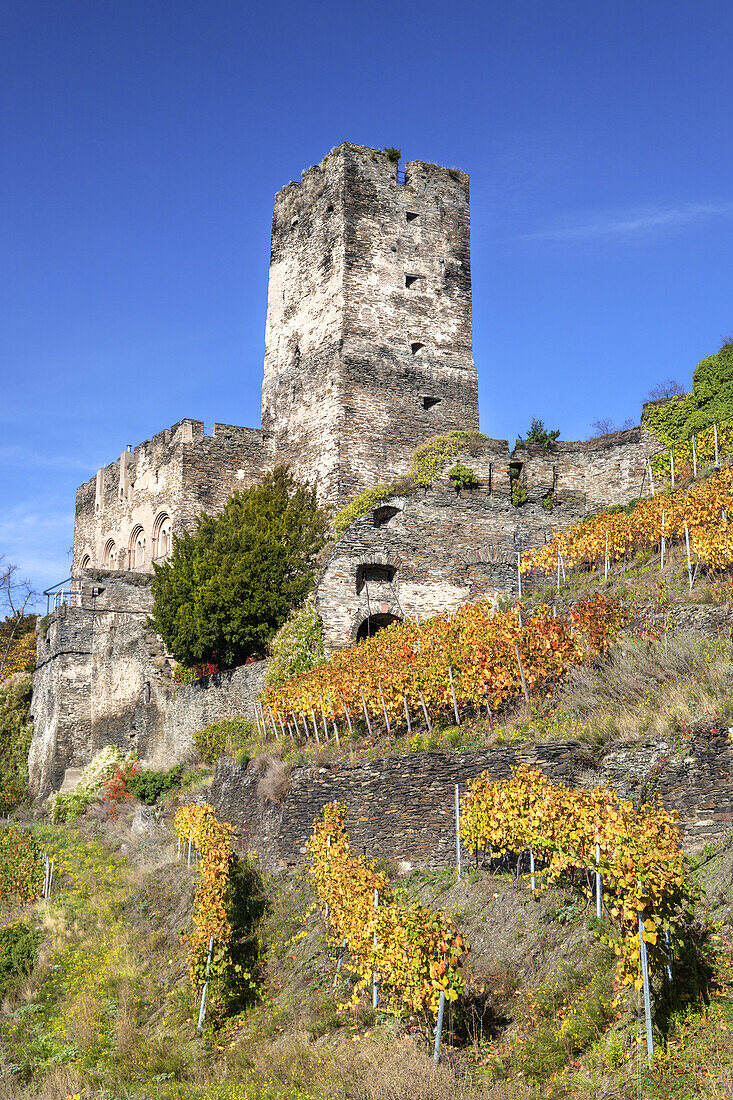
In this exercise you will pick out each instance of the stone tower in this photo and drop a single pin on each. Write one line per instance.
(368, 338)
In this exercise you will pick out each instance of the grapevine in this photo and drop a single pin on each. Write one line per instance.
(413, 953)
(212, 839)
(705, 509)
(563, 826)
(407, 663)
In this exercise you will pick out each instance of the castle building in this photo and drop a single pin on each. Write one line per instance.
(368, 352)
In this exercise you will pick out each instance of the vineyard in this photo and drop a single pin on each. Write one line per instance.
(410, 953)
(212, 839)
(478, 657)
(701, 513)
(584, 831)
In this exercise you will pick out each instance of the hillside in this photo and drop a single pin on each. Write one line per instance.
(622, 660)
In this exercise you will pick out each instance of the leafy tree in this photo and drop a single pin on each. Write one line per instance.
(538, 433)
(226, 589)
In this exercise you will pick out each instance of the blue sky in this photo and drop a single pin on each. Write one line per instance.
(143, 142)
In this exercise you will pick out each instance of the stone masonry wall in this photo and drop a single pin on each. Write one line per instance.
(158, 489)
(402, 807)
(436, 549)
(368, 342)
(103, 678)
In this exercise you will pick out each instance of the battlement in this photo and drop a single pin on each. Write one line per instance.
(127, 515)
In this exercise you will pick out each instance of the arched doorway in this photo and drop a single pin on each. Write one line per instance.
(373, 624)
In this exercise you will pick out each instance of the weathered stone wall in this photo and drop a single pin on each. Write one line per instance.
(127, 513)
(402, 807)
(436, 549)
(103, 678)
(360, 367)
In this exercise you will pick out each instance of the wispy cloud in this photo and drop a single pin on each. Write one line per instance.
(630, 223)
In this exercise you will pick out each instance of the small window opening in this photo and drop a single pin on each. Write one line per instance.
(374, 574)
(416, 348)
(430, 402)
(515, 470)
(410, 216)
(329, 208)
(384, 514)
(410, 280)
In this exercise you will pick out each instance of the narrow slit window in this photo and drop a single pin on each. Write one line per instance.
(430, 402)
(411, 216)
(410, 280)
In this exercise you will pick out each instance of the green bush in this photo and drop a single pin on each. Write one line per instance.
(297, 646)
(359, 506)
(227, 737)
(21, 869)
(393, 154)
(547, 502)
(19, 945)
(16, 731)
(227, 588)
(67, 807)
(538, 433)
(148, 786)
(463, 477)
(711, 400)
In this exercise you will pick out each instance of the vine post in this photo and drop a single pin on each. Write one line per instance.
(458, 836)
(439, 1028)
(644, 962)
(599, 887)
(204, 991)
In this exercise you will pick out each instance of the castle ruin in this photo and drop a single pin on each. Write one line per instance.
(368, 354)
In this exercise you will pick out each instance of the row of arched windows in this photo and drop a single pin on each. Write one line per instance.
(137, 553)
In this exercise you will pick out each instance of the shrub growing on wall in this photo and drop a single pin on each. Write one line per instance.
(226, 737)
(226, 589)
(711, 400)
(297, 646)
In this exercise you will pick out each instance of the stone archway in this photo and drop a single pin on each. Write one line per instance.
(372, 624)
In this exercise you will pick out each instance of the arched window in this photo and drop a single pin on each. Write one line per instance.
(86, 561)
(162, 537)
(109, 558)
(136, 556)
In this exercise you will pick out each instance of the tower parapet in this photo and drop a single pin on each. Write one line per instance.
(368, 338)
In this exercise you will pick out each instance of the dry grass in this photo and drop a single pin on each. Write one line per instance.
(651, 689)
(275, 780)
